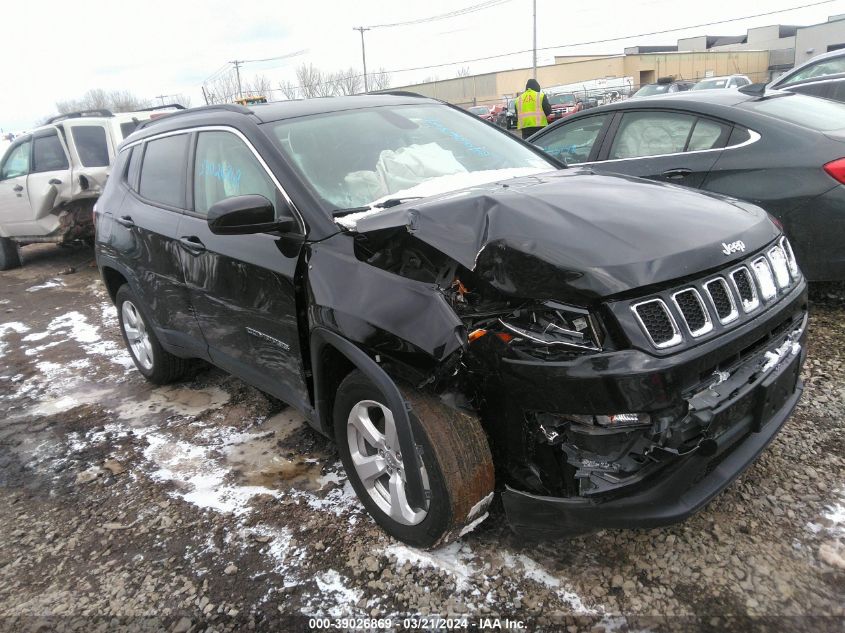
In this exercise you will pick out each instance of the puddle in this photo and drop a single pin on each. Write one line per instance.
(176, 400)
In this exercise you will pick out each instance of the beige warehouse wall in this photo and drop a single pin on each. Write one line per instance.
(490, 88)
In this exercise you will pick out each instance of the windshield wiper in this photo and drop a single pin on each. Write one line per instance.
(392, 202)
(339, 213)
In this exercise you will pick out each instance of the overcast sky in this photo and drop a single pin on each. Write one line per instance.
(57, 51)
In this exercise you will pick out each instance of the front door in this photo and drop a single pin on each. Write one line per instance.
(242, 286)
(668, 146)
(49, 178)
(15, 212)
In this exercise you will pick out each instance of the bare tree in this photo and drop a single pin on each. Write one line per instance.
(462, 72)
(380, 80)
(289, 90)
(224, 88)
(182, 99)
(99, 99)
(309, 79)
(349, 82)
(259, 86)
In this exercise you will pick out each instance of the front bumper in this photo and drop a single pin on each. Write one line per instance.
(737, 427)
(680, 490)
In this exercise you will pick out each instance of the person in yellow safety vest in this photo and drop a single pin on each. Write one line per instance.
(532, 108)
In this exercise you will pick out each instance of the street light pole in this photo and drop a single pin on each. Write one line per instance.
(535, 39)
(361, 30)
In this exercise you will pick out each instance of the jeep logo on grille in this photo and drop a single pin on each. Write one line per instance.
(733, 247)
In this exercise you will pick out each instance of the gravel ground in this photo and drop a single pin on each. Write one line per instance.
(207, 506)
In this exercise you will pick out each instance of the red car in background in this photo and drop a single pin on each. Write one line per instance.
(563, 105)
(483, 112)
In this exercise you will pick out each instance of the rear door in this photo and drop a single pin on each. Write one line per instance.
(665, 145)
(145, 237)
(15, 212)
(242, 286)
(92, 146)
(575, 141)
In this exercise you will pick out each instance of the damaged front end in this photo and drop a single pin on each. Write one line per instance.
(507, 304)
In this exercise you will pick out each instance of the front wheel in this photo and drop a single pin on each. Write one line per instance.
(154, 362)
(456, 469)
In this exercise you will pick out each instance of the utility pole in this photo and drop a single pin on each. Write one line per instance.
(535, 39)
(162, 98)
(361, 30)
(237, 65)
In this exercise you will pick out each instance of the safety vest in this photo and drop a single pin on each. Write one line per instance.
(530, 109)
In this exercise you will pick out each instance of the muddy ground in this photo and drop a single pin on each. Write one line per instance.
(207, 506)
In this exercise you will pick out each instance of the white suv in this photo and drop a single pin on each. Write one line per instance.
(51, 177)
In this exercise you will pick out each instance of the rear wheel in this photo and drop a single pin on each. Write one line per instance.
(457, 468)
(10, 256)
(154, 362)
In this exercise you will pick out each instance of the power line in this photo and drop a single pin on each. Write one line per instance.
(443, 16)
(273, 59)
(603, 41)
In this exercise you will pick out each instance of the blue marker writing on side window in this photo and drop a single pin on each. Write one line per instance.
(227, 174)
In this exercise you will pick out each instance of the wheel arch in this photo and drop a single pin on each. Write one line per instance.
(113, 280)
(328, 347)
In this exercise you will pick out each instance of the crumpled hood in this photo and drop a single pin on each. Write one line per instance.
(575, 235)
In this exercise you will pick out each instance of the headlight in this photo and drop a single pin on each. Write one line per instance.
(546, 329)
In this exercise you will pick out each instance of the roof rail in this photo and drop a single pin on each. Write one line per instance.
(228, 107)
(178, 106)
(398, 93)
(79, 114)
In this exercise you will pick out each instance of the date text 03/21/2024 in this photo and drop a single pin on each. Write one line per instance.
(417, 623)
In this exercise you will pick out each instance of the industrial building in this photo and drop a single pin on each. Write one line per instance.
(762, 54)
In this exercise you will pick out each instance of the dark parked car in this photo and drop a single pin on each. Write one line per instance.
(822, 76)
(440, 298)
(782, 151)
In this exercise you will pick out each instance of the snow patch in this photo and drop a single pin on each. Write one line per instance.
(52, 283)
(5, 328)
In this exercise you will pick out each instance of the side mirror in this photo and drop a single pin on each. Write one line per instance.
(242, 215)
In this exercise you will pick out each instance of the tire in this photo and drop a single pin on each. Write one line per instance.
(156, 364)
(10, 256)
(457, 464)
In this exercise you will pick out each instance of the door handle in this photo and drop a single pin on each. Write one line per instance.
(17, 188)
(676, 174)
(54, 181)
(192, 244)
(125, 221)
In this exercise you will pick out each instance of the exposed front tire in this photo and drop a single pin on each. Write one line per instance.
(154, 362)
(10, 256)
(457, 467)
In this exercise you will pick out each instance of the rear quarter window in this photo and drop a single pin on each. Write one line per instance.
(91, 145)
(163, 171)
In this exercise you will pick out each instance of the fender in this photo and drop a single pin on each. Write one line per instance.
(322, 337)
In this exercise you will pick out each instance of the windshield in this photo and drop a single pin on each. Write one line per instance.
(817, 114)
(479, 110)
(562, 100)
(711, 84)
(652, 89)
(354, 158)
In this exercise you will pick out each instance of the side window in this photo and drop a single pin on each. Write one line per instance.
(573, 142)
(707, 135)
(16, 163)
(163, 170)
(739, 135)
(651, 134)
(226, 167)
(48, 154)
(91, 145)
(819, 89)
(128, 127)
(822, 69)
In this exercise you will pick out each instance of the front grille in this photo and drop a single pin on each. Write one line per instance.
(658, 323)
(765, 278)
(693, 310)
(722, 300)
(746, 289)
(778, 259)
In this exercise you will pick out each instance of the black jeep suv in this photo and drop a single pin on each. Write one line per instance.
(460, 313)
